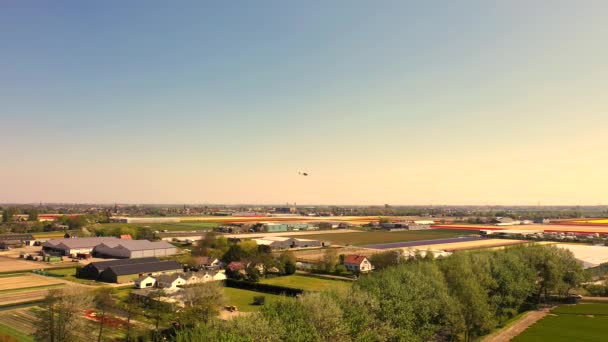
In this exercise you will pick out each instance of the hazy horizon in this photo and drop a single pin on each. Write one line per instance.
(390, 102)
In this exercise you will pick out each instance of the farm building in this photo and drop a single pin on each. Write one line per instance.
(93, 270)
(299, 226)
(145, 219)
(15, 240)
(119, 248)
(357, 263)
(74, 246)
(275, 242)
(299, 243)
(276, 227)
(280, 242)
(129, 272)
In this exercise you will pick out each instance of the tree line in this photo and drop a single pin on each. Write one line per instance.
(457, 298)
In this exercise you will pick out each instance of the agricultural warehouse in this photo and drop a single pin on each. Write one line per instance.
(279, 242)
(276, 227)
(110, 247)
(94, 269)
(15, 240)
(129, 272)
(74, 246)
(120, 248)
(145, 219)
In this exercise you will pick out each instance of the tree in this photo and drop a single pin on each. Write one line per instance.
(60, 321)
(132, 309)
(464, 285)
(202, 302)
(33, 214)
(253, 274)
(160, 311)
(329, 260)
(234, 253)
(385, 259)
(103, 303)
(289, 267)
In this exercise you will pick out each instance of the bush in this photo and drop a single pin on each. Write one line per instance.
(266, 288)
(259, 300)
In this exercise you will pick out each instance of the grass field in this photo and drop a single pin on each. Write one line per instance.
(243, 299)
(307, 283)
(373, 237)
(582, 322)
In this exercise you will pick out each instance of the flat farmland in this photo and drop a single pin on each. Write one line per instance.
(379, 237)
(564, 227)
(307, 283)
(18, 323)
(16, 265)
(24, 281)
(581, 322)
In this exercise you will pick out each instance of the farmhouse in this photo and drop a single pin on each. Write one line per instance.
(357, 263)
(15, 240)
(170, 281)
(120, 248)
(145, 281)
(207, 262)
(74, 246)
(130, 272)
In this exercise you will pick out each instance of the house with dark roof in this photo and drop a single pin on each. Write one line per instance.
(130, 272)
(357, 263)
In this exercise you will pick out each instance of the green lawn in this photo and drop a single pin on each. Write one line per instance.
(582, 322)
(243, 299)
(307, 283)
(373, 237)
(16, 334)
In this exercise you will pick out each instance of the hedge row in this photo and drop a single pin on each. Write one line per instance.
(265, 288)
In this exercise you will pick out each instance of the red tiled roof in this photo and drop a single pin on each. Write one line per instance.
(354, 259)
(126, 237)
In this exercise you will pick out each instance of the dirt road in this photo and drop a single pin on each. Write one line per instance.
(518, 327)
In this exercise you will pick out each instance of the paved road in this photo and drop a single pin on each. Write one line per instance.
(423, 242)
(518, 327)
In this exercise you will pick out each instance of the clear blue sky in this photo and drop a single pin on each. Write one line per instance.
(381, 101)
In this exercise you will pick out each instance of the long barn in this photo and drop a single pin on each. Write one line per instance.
(134, 249)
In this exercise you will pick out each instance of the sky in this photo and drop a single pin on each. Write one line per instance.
(399, 102)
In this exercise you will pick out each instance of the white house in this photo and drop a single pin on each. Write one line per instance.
(357, 263)
(170, 281)
(145, 281)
